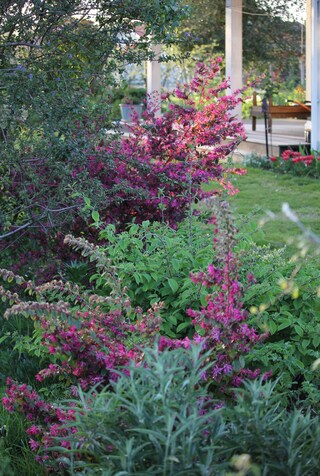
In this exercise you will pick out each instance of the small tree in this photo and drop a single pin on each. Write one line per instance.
(58, 60)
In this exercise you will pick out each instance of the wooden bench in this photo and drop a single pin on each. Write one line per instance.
(299, 111)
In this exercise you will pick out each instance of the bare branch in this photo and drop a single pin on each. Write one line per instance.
(43, 215)
(20, 43)
(10, 233)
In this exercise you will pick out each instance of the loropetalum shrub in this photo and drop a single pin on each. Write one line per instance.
(157, 171)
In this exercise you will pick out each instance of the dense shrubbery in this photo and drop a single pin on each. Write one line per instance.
(284, 300)
(137, 358)
(155, 174)
(160, 418)
(88, 337)
(58, 63)
(85, 336)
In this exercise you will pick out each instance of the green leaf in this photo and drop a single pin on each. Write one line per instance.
(175, 264)
(95, 216)
(305, 343)
(133, 230)
(173, 285)
(284, 324)
(172, 319)
(183, 325)
(272, 327)
(316, 341)
(299, 364)
(203, 299)
(298, 330)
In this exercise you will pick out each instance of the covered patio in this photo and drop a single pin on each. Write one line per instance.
(286, 132)
(234, 11)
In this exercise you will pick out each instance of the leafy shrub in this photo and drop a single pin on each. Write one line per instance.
(284, 301)
(154, 174)
(54, 109)
(220, 320)
(277, 441)
(159, 418)
(153, 262)
(159, 170)
(89, 337)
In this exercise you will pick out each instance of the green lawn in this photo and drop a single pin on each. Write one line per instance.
(265, 191)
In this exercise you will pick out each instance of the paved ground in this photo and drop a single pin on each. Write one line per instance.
(285, 132)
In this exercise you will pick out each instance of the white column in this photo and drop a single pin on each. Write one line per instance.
(233, 46)
(308, 48)
(154, 75)
(315, 85)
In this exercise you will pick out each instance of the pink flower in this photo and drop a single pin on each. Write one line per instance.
(33, 430)
(34, 445)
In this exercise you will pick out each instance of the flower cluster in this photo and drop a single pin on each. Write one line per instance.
(296, 163)
(48, 421)
(221, 324)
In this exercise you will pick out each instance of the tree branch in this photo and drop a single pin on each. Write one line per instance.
(20, 43)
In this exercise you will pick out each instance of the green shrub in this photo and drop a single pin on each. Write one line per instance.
(278, 442)
(153, 262)
(160, 419)
(284, 301)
